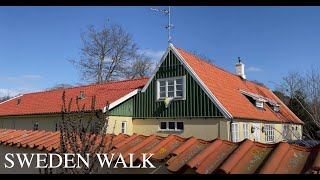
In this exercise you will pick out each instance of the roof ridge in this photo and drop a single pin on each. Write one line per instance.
(216, 66)
(110, 82)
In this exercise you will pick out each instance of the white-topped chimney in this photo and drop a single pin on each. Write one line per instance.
(240, 69)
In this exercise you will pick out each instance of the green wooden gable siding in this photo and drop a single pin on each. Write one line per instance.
(197, 103)
(123, 109)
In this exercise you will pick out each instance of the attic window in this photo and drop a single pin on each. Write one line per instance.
(81, 95)
(259, 104)
(255, 99)
(19, 102)
(273, 105)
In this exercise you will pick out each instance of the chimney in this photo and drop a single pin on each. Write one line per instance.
(240, 69)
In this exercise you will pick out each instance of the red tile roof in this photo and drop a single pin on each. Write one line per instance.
(226, 87)
(180, 154)
(51, 101)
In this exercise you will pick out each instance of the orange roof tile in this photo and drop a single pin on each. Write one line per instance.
(51, 101)
(205, 157)
(226, 87)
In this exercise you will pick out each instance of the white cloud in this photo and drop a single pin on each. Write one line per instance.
(154, 55)
(254, 69)
(31, 77)
(5, 92)
(22, 77)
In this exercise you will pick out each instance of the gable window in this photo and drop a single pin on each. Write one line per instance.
(35, 126)
(269, 130)
(235, 132)
(245, 130)
(171, 126)
(171, 87)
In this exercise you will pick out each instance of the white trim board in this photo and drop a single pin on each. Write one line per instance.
(223, 110)
(11, 98)
(121, 100)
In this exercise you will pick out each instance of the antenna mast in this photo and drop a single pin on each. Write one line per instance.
(167, 12)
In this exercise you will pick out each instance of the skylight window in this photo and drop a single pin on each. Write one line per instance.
(81, 94)
(19, 102)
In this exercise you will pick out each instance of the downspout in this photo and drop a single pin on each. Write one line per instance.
(230, 129)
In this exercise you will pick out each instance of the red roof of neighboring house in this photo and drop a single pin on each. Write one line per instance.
(181, 154)
(51, 101)
(226, 87)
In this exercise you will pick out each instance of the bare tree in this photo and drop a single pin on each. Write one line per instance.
(105, 53)
(291, 83)
(140, 67)
(4, 98)
(259, 83)
(83, 135)
(60, 86)
(304, 93)
(202, 56)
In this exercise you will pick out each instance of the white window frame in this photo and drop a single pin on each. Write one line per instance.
(183, 97)
(269, 133)
(245, 127)
(276, 108)
(259, 104)
(175, 126)
(235, 133)
(124, 128)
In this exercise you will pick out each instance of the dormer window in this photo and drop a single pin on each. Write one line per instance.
(18, 102)
(273, 105)
(81, 95)
(259, 104)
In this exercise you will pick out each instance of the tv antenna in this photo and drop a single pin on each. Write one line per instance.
(167, 12)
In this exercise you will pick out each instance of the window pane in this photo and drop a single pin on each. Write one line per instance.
(179, 93)
(179, 81)
(162, 83)
(163, 125)
(171, 94)
(180, 125)
(170, 88)
(179, 87)
(162, 89)
(163, 94)
(171, 125)
(171, 82)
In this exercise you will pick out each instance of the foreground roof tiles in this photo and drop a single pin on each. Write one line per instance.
(180, 154)
(51, 101)
(227, 88)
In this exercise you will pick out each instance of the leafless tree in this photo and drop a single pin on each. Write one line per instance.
(140, 67)
(305, 90)
(202, 56)
(292, 82)
(60, 86)
(105, 53)
(4, 98)
(83, 135)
